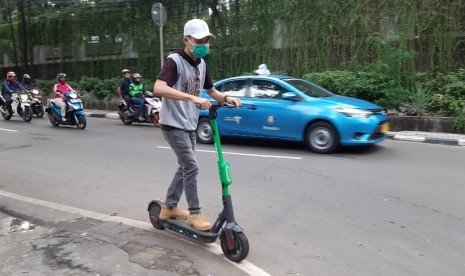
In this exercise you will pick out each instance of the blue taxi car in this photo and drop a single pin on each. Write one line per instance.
(292, 109)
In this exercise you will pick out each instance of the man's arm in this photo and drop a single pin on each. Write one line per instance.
(69, 88)
(6, 88)
(220, 97)
(20, 87)
(56, 91)
(162, 89)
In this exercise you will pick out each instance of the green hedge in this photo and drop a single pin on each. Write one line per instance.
(371, 86)
(432, 94)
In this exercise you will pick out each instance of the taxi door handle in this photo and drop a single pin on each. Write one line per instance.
(253, 107)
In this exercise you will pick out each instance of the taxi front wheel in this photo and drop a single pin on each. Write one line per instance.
(321, 137)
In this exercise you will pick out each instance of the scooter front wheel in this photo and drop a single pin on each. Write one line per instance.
(154, 215)
(27, 114)
(81, 122)
(240, 249)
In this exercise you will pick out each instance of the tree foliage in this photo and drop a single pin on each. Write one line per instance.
(397, 37)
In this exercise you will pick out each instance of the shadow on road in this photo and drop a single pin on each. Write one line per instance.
(300, 148)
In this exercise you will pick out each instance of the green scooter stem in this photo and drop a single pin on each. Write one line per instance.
(224, 168)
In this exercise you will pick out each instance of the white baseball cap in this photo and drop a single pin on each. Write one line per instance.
(197, 28)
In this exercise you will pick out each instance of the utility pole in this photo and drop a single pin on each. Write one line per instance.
(159, 17)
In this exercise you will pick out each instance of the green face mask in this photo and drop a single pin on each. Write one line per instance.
(200, 50)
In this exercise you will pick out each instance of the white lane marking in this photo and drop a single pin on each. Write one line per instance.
(10, 130)
(246, 154)
(244, 265)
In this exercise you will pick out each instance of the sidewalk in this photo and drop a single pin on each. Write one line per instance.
(45, 238)
(451, 139)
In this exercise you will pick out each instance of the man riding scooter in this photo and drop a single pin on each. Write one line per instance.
(10, 85)
(136, 92)
(27, 82)
(123, 87)
(59, 90)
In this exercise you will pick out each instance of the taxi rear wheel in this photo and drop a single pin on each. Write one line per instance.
(204, 131)
(321, 137)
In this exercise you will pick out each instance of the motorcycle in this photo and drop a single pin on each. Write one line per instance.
(36, 102)
(151, 111)
(74, 111)
(21, 106)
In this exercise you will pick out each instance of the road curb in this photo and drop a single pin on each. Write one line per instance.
(429, 140)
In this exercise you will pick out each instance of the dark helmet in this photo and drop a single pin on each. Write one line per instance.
(61, 75)
(126, 71)
(26, 79)
(11, 76)
(136, 78)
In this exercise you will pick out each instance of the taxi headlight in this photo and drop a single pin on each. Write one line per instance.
(354, 112)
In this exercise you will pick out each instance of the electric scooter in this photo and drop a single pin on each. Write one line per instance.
(233, 241)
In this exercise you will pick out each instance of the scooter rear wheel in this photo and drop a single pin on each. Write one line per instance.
(241, 247)
(53, 121)
(126, 118)
(40, 111)
(154, 215)
(7, 115)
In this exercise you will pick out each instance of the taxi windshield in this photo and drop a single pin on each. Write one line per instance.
(309, 88)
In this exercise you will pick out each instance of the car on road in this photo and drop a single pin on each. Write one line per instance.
(292, 109)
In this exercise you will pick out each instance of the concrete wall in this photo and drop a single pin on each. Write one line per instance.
(414, 123)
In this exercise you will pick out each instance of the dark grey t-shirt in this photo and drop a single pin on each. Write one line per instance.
(191, 80)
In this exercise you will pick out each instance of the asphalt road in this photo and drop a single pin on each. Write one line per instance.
(393, 209)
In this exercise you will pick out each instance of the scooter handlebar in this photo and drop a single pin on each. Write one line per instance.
(215, 105)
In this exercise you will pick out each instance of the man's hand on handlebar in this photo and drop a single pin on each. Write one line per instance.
(232, 101)
(202, 103)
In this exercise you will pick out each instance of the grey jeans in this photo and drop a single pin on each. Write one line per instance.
(185, 179)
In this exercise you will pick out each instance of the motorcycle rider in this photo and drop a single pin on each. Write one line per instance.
(136, 92)
(59, 90)
(27, 82)
(123, 87)
(10, 85)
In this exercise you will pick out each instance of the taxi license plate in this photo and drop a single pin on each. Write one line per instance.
(384, 128)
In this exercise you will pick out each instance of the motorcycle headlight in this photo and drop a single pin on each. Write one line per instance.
(354, 112)
(24, 97)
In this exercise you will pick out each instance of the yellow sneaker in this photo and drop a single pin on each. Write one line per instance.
(172, 213)
(199, 222)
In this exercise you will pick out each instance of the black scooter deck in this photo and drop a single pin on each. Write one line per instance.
(180, 226)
